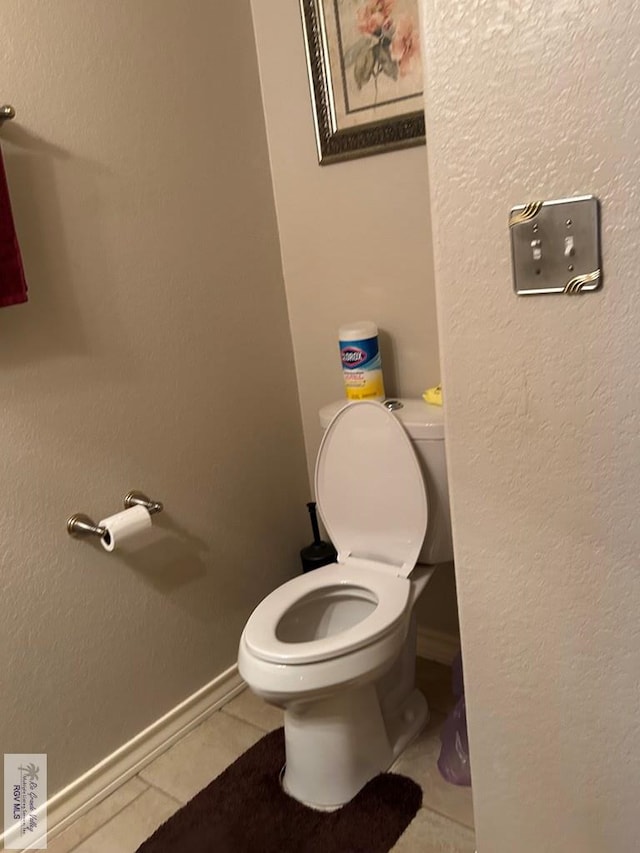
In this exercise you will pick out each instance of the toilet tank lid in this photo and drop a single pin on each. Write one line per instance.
(420, 419)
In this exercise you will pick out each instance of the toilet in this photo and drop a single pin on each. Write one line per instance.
(335, 648)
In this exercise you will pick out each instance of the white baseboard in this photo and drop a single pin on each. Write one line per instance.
(102, 779)
(437, 646)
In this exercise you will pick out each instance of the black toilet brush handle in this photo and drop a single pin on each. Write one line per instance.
(311, 506)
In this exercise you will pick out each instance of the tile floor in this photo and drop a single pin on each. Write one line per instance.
(122, 821)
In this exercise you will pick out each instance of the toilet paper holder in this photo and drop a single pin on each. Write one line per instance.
(80, 524)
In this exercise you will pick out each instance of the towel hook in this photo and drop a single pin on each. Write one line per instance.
(7, 112)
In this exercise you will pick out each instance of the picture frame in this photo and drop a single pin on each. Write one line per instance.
(365, 76)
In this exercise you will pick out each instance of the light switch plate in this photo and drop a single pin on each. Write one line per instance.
(555, 246)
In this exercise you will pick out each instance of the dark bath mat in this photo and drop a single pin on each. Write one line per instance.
(245, 810)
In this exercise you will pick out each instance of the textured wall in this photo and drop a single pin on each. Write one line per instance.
(154, 353)
(532, 101)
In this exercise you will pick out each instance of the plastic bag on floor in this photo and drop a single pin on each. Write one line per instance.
(453, 763)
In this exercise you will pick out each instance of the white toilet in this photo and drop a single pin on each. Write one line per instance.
(336, 647)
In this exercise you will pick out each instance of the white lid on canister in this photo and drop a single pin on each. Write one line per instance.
(360, 330)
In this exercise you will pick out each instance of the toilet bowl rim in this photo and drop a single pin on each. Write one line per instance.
(393, 597)
(281, 684)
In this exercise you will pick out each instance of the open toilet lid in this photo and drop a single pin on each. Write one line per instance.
(370, 490)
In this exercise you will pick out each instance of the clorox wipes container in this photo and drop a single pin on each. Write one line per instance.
(361, 362)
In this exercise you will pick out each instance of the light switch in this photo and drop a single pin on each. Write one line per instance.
(555, 246)
(537, 250)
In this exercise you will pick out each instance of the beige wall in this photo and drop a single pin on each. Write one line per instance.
(532, 101)
(154, 353)
(355, 237)
(356, 244)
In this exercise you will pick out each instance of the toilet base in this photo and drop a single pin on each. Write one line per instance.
(334, 746)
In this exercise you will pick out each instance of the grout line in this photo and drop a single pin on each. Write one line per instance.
(448, 817)
(173, 797)
(227, 712)
(108, 820)
(180, 802)
(167, 794)
(243, 720)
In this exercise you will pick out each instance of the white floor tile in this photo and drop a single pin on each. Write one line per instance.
(96, 817)
(432, 833)
(200, 756)
(250, 708)
(419, 762)
(127, 830)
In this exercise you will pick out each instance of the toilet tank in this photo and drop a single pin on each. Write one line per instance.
(425, 425)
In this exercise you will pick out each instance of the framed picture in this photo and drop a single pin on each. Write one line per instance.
(365, 75)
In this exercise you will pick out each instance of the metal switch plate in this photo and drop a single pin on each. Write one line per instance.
(555, 246)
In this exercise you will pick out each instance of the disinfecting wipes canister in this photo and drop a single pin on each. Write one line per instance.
(361, 363)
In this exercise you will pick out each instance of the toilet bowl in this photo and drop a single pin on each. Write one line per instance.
(335, 648)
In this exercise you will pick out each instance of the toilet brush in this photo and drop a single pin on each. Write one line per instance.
(319, 553)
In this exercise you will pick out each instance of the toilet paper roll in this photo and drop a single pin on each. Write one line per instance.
(124, 527)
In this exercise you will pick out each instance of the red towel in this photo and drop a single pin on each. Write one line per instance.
(13, 285)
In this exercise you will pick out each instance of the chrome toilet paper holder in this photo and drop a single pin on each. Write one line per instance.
(79, 524)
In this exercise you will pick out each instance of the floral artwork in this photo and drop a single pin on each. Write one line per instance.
(365, 70)
(389, 44)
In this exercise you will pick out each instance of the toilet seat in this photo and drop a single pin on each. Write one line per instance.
(391, 595)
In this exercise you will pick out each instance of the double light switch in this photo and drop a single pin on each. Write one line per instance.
(555, 246)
